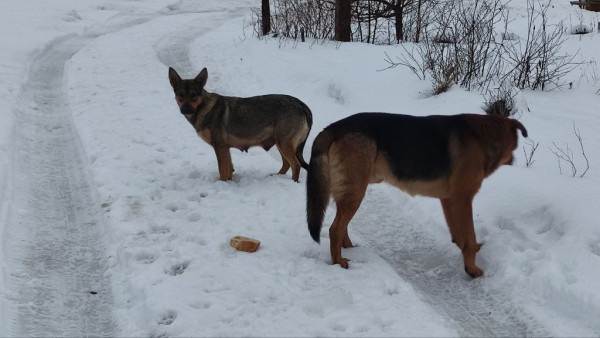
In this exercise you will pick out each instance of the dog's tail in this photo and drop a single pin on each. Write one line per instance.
(300, 150)
(299, 155)
(317, 184)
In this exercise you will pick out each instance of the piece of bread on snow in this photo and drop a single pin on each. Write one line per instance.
(244, 243)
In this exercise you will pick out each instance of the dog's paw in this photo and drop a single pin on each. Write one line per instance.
(474, 271)
(343, 262)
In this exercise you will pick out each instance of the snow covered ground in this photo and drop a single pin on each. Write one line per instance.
(113, 222)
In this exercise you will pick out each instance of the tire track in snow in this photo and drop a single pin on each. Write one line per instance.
(58, 275)
(58, 264)
(58, 268)
(173, 48)
(435, 271)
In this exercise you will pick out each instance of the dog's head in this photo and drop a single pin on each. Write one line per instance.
(497, 136)
(188, 92)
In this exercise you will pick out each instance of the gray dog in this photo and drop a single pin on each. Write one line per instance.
(225, 122)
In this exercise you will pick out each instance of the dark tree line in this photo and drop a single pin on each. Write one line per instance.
(369, 10)
(365, 12)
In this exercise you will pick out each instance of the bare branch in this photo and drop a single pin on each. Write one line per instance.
(565, 155)
(409, 60)
(578, 135)
(529, 155)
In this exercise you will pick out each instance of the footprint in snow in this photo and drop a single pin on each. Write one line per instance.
(595, 248)
(145, 257)
(178, 269)
(161, 230)
(167, 318)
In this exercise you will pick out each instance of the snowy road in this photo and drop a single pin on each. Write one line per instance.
(435, 270)
(57, 262)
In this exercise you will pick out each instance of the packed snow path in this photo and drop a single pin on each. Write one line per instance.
(436, 271)
(57, 264)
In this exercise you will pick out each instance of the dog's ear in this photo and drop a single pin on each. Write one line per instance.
(174, 78)
(520, 126)
(201, 78)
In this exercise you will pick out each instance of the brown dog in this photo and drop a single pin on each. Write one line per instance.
(233, 122)
(445, 157)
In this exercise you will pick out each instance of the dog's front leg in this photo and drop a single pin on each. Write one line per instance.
(224, 161)
(459, 216)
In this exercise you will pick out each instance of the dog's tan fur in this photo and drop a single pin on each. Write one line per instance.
(345, 162)
(227, 122)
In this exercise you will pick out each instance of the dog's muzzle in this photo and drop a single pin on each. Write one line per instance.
(187, 109)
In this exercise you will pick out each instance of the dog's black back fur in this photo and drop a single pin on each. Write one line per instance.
(417, 148)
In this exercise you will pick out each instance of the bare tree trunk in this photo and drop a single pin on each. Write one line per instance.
(343, 15)
(418, 30)
(399, 14)
(266, 17)
(369, 15)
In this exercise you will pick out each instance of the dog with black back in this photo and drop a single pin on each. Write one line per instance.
(227, 122)
(445, 157)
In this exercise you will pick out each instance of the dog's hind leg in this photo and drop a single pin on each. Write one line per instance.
(459, 216)
(351, 166)
(346, 206)
(285, 166)
(288, 156)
